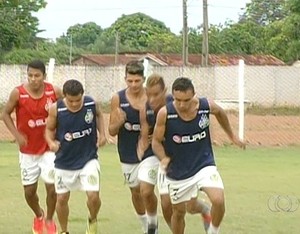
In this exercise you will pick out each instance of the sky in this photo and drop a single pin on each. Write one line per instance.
(59, 15)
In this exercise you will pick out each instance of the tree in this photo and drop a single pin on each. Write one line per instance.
(17, 25)
(135, 30)
(264, 12)
(82, 35)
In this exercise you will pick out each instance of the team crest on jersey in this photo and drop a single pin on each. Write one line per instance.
(49, 102)
(203, 122)
(89, 116)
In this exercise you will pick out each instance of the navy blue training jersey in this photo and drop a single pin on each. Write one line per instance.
(129, 132)
(188, 143)
(77, 134)
(151, 120)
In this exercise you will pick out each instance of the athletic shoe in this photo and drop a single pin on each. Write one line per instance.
(38, 225)
(152, 229)
(206, 220)
(64, 233)
(50, 227)
(91, 227)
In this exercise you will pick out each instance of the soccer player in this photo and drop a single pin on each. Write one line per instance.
(181, 140)
(71, 132)
(31, 101)
(157, 98)
(140, 173)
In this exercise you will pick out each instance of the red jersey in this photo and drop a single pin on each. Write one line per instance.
(31, 116)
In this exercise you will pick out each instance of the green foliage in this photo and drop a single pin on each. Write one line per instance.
(82, 35)
(264, 12)
(135, 30)
(18, 27)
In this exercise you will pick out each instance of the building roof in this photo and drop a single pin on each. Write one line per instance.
(176, 59)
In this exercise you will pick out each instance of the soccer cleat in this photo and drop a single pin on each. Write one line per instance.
(38, 225)
(64, 233)
(206, 220)
(152, 229)
(50, 227)
(91, 227)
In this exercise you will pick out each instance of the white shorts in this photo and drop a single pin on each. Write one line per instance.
(162, 184)
(85, 179)
(34, 166)
(185, 190)
(145, 171)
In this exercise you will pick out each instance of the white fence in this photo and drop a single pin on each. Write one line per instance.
(264, 85)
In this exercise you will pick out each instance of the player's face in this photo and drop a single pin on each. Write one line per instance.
(134, 83)
(74, 103)
(156, 97)
(35, 78)
(183, 100)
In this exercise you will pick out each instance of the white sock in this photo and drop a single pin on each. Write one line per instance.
(212, 229)
(152, 220)
(144, 221)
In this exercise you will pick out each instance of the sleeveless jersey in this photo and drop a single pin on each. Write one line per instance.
(151, 120)
(31, 117)
(77, 134)
(129, 132)
(188, 143)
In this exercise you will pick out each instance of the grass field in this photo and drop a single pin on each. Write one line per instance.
(250, 178)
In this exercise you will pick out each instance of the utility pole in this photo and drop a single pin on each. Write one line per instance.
(185, 45)
(116, 47)
(205, 50)
(71, 45)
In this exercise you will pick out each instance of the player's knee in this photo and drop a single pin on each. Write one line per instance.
(219, 203)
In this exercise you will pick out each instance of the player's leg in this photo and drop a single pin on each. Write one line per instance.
(166, 205)
(198, 206)
(47, 174)
(148, 178)
(30, 173)
(212, 185)
(181, 191)
(178, 218)
(130, 172)
(64, 180)
(62, 210)
(90, 182)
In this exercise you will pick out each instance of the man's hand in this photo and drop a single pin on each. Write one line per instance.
(164, 163)
(238, 142)
(54, 146)
(21, 140)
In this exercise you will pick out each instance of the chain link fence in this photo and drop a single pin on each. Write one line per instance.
(272, 97)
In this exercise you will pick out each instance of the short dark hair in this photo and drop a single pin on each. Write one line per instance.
(135, 67)
(183, 84)
(72, 87)
(37, 64)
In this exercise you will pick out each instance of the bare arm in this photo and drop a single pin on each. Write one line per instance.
(143, 142)
(117, 116)
(224, 122)
(158, 137)
(7, 119)
(58, 92)
(100, 126)
(50, 130)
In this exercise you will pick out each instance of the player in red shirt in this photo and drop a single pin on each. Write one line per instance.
(31, 101)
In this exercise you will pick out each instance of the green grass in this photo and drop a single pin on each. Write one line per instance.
(250, 178)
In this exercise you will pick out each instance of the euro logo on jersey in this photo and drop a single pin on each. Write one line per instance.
(89, 116)
(204, 121)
